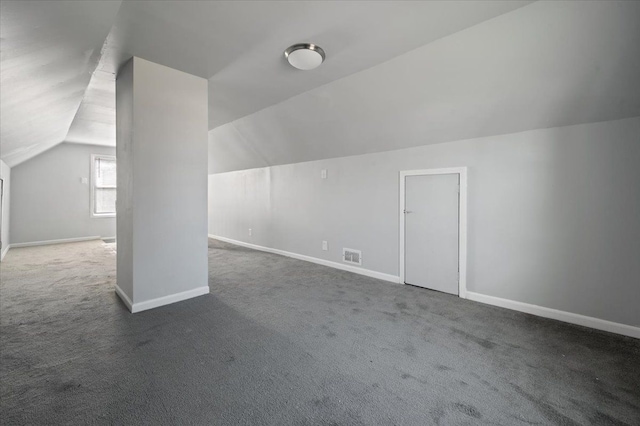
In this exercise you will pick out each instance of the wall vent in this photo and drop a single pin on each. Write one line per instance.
(352, 256)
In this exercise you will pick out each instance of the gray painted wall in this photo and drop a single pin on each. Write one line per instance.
(5, 175)
(553, 213)
(162, 176)
(124, 158)
(48, 199)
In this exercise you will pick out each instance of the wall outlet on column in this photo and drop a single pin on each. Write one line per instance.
(250, 232)
(325, 246)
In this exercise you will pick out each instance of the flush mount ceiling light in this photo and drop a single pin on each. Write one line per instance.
(304, 56)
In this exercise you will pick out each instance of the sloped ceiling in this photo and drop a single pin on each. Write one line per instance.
(398, 74)
(547, 64)
(49, 50)
(239, 45)
(236, 45)
(95, 121)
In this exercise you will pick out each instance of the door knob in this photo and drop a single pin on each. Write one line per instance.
(407, 212)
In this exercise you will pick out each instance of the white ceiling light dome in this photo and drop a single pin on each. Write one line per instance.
(305, 56)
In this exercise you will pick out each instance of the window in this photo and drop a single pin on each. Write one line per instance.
(103, 186)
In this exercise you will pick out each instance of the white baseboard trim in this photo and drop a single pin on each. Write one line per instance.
(596, 323)
(329, 263)
(4, 252)
(49, 242)
(125, 299)
(541, 311)
(160, 301)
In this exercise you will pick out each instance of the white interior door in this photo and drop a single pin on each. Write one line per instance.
(431, 231)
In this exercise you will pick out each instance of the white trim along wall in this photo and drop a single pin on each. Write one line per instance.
(355, 269)
(46, 243)
(5, 250)
(160, 301)
(50, 242)
(582, 320)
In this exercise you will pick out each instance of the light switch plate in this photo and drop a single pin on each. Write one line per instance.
(323, 173)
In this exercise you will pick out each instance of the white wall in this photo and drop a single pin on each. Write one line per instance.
(162, 178)
(5, 175)
(553, 213)
(48, 199)
(124, 202)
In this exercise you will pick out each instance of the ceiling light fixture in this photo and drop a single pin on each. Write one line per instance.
(305, 56)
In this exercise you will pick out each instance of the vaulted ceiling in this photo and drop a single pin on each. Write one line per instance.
(61, 57)
(397, 73)
(545, 65)
(48, 52)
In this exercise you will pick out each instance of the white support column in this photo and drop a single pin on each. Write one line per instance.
(161, 146)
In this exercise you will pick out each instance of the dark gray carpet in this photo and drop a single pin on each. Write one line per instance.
(284, 342)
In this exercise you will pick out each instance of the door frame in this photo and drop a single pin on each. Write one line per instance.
(462, 221)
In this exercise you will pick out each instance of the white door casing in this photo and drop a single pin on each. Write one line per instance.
(433, 222)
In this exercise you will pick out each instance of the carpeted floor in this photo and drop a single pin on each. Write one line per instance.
(284, 342)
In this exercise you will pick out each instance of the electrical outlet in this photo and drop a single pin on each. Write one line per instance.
(325, 246)
(84, 180)
(250, 232)
(323, 173)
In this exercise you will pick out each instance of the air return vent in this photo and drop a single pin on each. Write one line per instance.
(352, 256)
